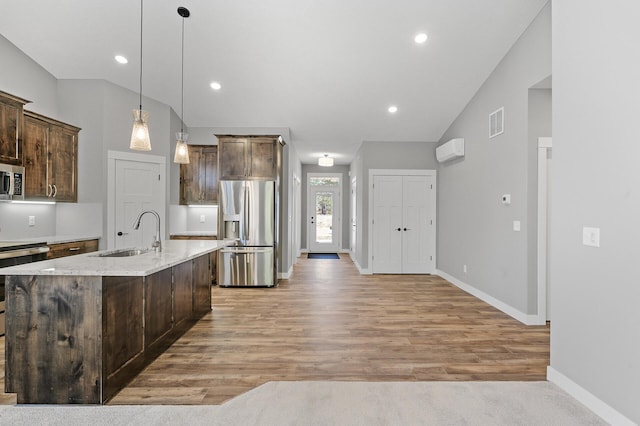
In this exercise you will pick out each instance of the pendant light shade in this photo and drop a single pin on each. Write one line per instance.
(182, 151)
(325, 161)
(140, 140)
(140, 135)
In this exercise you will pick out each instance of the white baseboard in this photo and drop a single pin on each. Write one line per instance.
(507, 309)
(355, 262)
(592, 402)
(285, 275)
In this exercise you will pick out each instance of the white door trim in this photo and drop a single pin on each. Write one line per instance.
(337, 235)
(112, 157)
(544, 145)
(400, 172)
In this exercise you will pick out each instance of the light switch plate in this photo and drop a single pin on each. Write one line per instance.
(516, 225)
(32, 221)
(202, 218)
(591, 236)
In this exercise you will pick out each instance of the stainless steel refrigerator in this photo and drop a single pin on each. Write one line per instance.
(247, 215)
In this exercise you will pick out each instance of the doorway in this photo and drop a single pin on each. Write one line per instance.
(136, 182)
(324, 212)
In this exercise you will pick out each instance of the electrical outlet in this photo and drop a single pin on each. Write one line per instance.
(202, 218)
(464, 268)
(32, 221)
(516, 225)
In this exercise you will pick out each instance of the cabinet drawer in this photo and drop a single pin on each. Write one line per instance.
(71, 248)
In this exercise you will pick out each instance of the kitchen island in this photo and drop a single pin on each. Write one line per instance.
(79, 328)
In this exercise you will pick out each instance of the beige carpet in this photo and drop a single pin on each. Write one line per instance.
(340, 403)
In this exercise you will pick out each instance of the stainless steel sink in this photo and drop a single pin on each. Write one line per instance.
(124, 253)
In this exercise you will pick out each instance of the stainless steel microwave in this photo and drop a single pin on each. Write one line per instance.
(11, 182)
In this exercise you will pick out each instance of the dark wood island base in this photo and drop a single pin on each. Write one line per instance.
(80, 339)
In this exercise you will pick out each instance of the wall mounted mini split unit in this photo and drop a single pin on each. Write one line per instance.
(450, 150)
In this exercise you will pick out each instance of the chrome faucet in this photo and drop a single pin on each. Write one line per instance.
(157, 245)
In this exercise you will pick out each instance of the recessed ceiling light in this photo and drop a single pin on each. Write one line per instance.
(393, 109)
(421, 38)
(216, 86)
(121, 59)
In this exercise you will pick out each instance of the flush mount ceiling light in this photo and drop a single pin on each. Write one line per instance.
(121, 59)
(215, 85)
(182, 152)
(420, 38)
(393, 109)
(325, 161)
(140, 140)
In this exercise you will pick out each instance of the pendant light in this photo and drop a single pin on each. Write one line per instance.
(182, 152)
(140, 134)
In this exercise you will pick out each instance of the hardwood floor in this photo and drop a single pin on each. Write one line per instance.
(328, 322)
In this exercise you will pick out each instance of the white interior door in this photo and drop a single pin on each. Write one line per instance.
(387, 224)
(545, 145)
(403, 225)
(418, 232)
(324, 219)
(137, 186)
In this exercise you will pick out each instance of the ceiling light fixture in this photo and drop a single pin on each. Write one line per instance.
(325, 161)
(121, 59)
(182, 152)
(420, 38)
(216, 86)
(393, 109)
(140, 140)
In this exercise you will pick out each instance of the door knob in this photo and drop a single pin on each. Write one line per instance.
(120, 233)
(406, 229)
(399, 229)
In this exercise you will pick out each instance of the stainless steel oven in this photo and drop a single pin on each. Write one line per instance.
(17, 253)
(11, 182)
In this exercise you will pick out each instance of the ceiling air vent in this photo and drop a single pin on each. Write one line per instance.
(496, 122)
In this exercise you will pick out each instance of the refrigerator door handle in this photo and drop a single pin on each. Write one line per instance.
(245, 214)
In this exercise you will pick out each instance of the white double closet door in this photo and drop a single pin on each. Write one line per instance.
(403, 224)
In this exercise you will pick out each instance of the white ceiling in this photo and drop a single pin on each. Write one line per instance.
(326, 69)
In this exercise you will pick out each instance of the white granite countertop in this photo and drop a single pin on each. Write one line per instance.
(91, 264)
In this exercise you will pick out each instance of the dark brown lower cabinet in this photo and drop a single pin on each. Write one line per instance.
(80, 339)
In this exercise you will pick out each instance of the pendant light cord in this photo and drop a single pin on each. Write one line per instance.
(182, 83)
(141, 55)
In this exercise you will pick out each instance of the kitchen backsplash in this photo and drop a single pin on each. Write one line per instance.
(193, 219)
(18, 221)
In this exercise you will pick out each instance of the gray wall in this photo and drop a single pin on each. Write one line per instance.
(314, 168)
(383, 155)
(595, 294)
(474, 227)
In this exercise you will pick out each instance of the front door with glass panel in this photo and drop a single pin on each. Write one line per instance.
(324, 217)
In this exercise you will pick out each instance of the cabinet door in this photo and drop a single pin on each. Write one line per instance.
(202, 285)
(10, 118)
(233, 155)
(63, 145)
(122, 325)
(36, 137)
(182, 291)
(190, 177)
(262, 158)
(158, 306)
(209, 163)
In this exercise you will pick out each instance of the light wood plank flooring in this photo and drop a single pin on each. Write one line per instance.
(328, 322)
